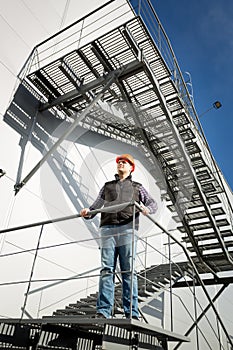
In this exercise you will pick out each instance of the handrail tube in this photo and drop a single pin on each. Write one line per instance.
(48, 280)
(170, 271)
(136, 205)
(74, 23)
(132, 265)
(63, 30)
(62, 281)
(31, 274)
(195, 313)
(53, 246)
(70, 217)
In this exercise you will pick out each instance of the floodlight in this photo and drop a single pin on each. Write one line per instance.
(217, 104)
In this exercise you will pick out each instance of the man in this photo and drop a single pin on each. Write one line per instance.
(117, 228)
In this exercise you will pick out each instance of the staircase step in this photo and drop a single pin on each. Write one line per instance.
(212, 246)
(207, 236)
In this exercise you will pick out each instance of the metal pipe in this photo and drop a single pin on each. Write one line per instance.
(74, 23)
(132, 265)
(170, 271)
(32, 271)
(195, 312)
(61, 281)
(70, 217)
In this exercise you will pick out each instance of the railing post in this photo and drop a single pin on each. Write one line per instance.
(195, 310)
(170, 271)
(32, 270)
(132, 264)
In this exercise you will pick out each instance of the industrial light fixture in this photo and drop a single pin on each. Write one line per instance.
(217, 104)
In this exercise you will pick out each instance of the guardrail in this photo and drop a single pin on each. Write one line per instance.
(86, 274)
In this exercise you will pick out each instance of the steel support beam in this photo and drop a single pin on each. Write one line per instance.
(83, 89)
(108, 82)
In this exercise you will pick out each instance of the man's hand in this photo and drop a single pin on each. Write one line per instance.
(145, 210)
(84, 212)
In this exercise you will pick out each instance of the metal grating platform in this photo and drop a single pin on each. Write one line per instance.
(86, 334)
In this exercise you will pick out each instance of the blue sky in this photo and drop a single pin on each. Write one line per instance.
(200, 32)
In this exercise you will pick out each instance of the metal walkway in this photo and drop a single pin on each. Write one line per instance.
(83, 334)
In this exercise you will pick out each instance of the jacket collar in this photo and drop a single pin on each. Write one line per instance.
(127, 178)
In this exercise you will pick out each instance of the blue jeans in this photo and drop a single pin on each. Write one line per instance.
(116, 241)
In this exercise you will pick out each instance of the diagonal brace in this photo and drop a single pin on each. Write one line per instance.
(112, 77)
(203, 313)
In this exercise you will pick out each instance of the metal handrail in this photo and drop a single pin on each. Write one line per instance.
(60, 32)
(117, 208)
(201, 131)
(195, 271)
(69, 217)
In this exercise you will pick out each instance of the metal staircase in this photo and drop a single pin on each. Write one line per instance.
(151, 284)
(132, 96)
(75, 328)
(155, 118)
